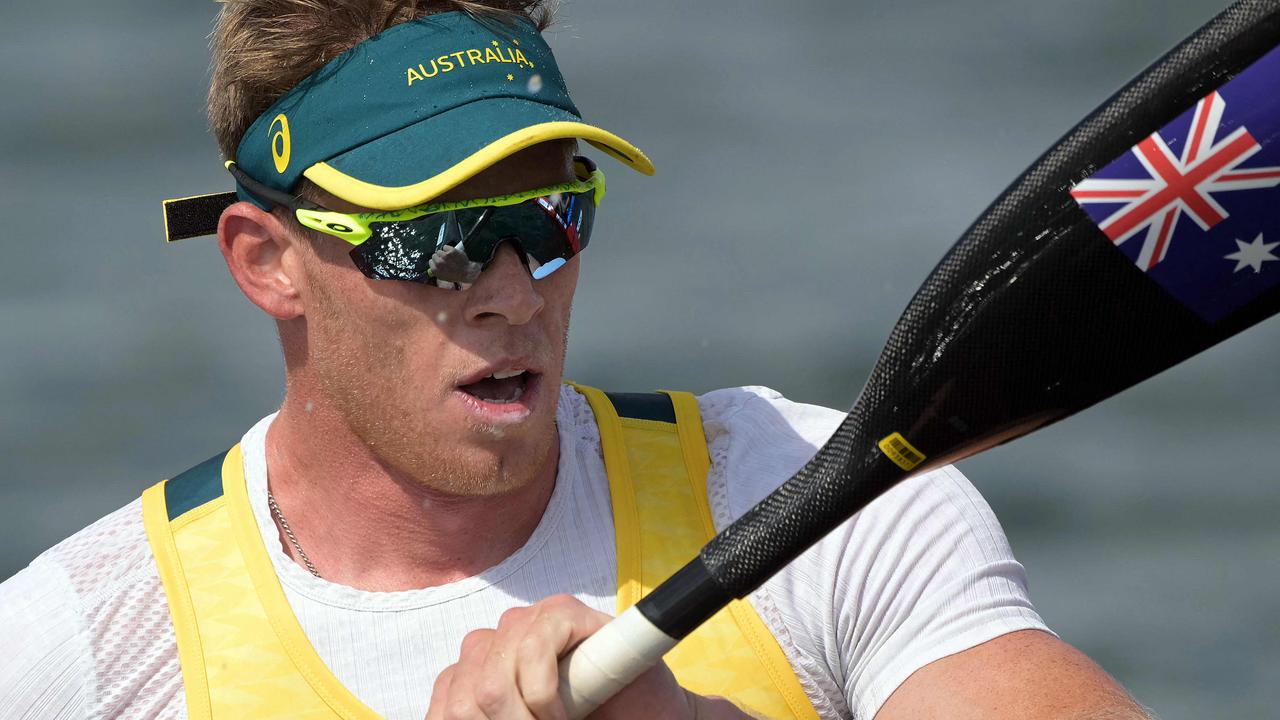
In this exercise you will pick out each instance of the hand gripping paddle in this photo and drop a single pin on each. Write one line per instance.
(1147, 234)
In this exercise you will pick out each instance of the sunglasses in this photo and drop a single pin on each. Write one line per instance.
(449, 244)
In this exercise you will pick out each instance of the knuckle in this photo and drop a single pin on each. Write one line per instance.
(542, 699)
(476, 641)
(513, 616)
(562, 601)
(443, 680)
(564, 615)
(531, 645)
(491, 694)
(559, 609)
(548, 637)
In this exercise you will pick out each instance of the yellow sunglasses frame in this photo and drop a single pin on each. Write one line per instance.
(356, 228)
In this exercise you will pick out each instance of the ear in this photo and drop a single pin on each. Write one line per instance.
(263, 257)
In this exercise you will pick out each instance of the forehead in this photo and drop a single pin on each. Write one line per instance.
(548, 163)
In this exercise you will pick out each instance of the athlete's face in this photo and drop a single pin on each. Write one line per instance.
(411, 367)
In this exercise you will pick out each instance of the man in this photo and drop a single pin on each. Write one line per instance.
(432, 519)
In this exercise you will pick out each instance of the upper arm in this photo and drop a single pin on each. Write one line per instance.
(44, 667)
(926, 573)
(1026, 675)
(916, 597)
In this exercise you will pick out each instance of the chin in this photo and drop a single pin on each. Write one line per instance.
(490, 462)
(449, 441)
(478, 458)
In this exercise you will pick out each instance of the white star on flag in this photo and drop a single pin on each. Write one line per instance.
(1252, 254)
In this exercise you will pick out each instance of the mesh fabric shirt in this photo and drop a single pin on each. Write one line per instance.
(923, 572)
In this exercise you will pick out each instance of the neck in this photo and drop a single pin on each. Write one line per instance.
(367, 526)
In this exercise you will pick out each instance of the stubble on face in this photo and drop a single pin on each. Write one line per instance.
(385, 356)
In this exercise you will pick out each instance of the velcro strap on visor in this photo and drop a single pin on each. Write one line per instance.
(195, 216)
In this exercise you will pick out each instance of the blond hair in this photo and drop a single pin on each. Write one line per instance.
(262, 48)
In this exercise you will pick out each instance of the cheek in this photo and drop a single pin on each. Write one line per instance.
(342, 296)
(558, 289)
(375, 332)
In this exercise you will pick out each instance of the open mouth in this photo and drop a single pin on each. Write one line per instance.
(502, 387)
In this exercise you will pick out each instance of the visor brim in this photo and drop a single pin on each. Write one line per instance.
(412, 166)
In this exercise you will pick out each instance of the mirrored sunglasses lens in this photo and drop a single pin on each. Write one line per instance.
(552, 230)
(451, 249)
(403, 250)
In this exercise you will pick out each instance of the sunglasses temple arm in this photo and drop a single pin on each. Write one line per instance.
(269, 194)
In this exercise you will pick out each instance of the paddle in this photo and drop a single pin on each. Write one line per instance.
(1105, 263)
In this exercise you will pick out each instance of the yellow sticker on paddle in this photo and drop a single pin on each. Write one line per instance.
(902, 453)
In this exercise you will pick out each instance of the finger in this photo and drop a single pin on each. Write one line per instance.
(440, 694)
(459, 702)
(475, 646)
(496, 692)
(584, 621)
(538, 679)
(561, 623)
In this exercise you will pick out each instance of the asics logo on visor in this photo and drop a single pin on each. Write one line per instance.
(281, 143)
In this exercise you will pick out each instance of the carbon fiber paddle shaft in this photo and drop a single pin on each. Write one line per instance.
(1042, 308)
(1033, 315)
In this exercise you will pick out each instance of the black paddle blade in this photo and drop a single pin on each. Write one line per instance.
(1138, 241)
(1108, 261)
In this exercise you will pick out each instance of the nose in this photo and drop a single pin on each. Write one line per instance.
(505, 290)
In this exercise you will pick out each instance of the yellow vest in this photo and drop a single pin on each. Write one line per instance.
(244, 655)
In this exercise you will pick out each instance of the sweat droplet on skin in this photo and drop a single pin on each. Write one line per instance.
(442, 316)
(310, 406)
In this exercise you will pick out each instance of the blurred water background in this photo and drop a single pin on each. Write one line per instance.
(815, 159)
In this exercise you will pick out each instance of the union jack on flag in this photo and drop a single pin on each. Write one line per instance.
(1195, 203)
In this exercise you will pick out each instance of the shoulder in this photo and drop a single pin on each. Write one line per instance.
(757, 439)
(922, 572)
(742, 409)
(91, 616)
(104, 558)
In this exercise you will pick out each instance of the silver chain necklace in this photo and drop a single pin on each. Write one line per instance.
(284, 525)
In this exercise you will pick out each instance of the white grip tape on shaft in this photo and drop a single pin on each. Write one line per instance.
(609, 660)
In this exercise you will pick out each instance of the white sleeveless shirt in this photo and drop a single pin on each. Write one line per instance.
(922, 573)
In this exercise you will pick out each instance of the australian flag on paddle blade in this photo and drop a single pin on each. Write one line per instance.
(1197, 204)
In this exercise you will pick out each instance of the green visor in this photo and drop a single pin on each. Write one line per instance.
(405, 116)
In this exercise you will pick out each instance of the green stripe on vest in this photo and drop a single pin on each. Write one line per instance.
(194, 487)
(644, 406)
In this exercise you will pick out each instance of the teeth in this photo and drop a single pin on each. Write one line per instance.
(515, 395)
(504, 374)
